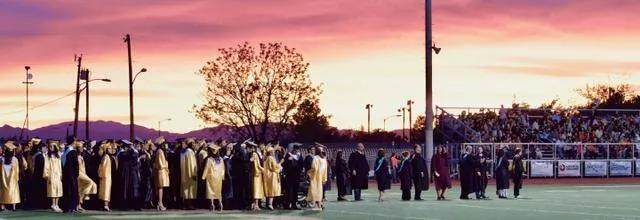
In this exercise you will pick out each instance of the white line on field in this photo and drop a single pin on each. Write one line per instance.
(379, 215)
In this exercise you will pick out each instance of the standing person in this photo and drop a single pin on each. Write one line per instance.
(519, 170)
(189, 175)
(381, 171)
(501, 172)
(86, 186)
(440, 168)
(405, 174)
(9, 177)
(420, 173)
(228, 182)
(146, 172)
(480, 177)
(38, 193)
(394, 167)
(466, 173)
(129, 176)
(70, 171)
(201, 150)
(104, 174)
(160, 171)
(173, 157)
(53, 175)
(257, 184)
(341, 171)
(317, 177)
(292, 168)
(359, 168)
(241, 174)
(213, 174)
(271, 177)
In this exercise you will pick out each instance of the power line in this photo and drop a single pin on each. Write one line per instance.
(38, 106)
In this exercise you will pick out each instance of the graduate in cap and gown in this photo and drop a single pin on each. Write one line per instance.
(38, 193)
(518, 170)
(146, 172)
(271, 176)
(161, 171)
(257, 181)
(466, 173)
(86, 186)
(213, 174)
(9, 177)
(173, 157)
(228, 182)
(317, 177)
(201, 150)
(241, 173)
(383, 178)
(129, 176)
(292, 169)
(480, 179)
(405, 174)
(104, 174)
(53, 175)
(70, 172)
(341, 172)
(501, 172)
(440, 171)
(420, 172)
(188, 174)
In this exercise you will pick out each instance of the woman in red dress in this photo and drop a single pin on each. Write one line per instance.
(440, 170)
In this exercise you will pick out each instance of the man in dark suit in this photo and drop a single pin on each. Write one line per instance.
(359, 168)
(420, 172)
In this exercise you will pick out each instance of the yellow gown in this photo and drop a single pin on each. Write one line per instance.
(271, 176)
(188, 174)
(317, 177)
(258, 187)
(53, 175)
(9, 188)
(213, 174)
(104, 172)
(161, 169)
(86, 186)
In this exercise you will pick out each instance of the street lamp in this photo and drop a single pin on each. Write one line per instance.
(403, 109)
(166, 119)
(127, 39)
(87, 75)
(368, 107)
(409, 104)
(384, 122)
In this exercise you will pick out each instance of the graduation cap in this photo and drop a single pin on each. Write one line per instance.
(294, 145)
(160, 140)
(125, 142)
(138, 140)
(9, 145)
(35, 141)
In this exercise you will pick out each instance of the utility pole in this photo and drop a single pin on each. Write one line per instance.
(87, 73)
(410, 103)
(368, 107)
(428, 43)
(28, 76)
(127, 39)
(75, 109)
(403, 109)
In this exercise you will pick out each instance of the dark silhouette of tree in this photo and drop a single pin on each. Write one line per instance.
(256, 91)
(310, 124)
(418, 130)
(621, 96)
(377, 135)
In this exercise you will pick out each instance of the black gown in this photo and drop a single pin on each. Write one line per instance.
(383, 178)
(292, 169)
(358, 162)
(501, 173)
(146, 180)
(466, 175)
(70, 173)
(419, 165)
(227, 183)
(341, 171)
(38, 191)
(405, 174)
(129, 177)
(173, 158)
(241, 174)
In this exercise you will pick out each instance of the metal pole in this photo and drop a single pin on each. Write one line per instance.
(86, 122)
(75, 110)
(131, 123)
(429, 94)
(159, 128)
(409, 103)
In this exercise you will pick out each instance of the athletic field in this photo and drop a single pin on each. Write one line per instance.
(548, 202)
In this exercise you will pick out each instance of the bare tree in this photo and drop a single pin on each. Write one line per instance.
(255, 91)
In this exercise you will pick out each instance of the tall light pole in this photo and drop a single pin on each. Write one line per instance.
(132, 79)
(368, 107)
(77, 105)
(429, 47)
(86, 75)
(409, 104)
(403, 109)
(166, 119)
(384, 122)
(28, 76)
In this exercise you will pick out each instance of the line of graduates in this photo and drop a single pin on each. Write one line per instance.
(188, 174)
(474, 172)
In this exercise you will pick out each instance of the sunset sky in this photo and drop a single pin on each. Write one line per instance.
(366, 51)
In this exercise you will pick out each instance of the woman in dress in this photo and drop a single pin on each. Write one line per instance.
(161, 171)
(53, 175)
(383, 178)
(440, 170)
(502, 174)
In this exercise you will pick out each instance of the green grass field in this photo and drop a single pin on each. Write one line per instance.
(614, 201)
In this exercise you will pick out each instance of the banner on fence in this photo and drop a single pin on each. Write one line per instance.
(620, 168)
(568, 168)
(595, 168)
(541, 168)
